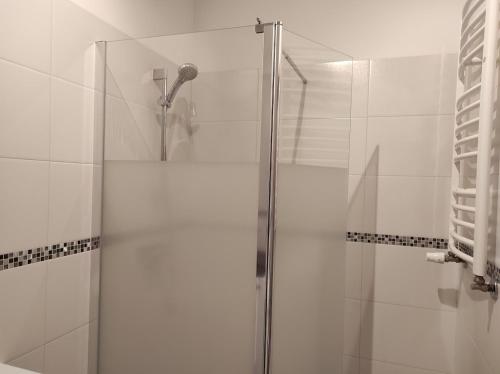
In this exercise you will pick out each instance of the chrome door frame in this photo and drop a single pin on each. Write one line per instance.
(267, 191)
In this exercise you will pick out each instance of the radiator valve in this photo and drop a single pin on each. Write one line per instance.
(442, 257)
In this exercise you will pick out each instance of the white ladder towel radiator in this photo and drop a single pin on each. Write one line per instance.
(472, 146)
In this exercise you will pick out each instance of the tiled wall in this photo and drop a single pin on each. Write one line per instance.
(478, 320)
(50, 166)
(400, 310)
(381, 28)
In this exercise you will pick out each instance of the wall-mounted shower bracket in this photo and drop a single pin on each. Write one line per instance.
(160, 78)
(479, 284)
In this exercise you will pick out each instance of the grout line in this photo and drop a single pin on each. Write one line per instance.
(363, 300)
(402, 365)
(68, 332)
(48, 160)
(48, 74)
(49, 176)
(399, 175)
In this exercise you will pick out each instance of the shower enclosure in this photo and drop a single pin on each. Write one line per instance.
(227, 256)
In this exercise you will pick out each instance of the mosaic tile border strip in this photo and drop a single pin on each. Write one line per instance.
(493, 271)
(405, 241)
(31, 256)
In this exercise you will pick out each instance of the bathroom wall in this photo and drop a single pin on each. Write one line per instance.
(400, 310)
(478, 320)
(50, 161)
(363, 29)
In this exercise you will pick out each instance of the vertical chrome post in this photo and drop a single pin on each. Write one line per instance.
(267, 190)
(160, 77)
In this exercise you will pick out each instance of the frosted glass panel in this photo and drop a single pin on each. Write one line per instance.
(313, 148)
(179, 237)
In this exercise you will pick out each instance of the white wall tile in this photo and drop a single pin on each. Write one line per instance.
(94, 286)
(23, 204)
(68, 354)
(132, 131)
(402, 205)
(404, 86)
(377, 367)
(323, 142)
(400, 275)
(223, 142)
(442, 207)
(129, 74)
(93, 347)
(353, 269)
(97, 175)
(352, 327)
(392, 333)
(356, 203)
(70, 211)
(350, 365)
(25, 32)
(72, 122)
(449, 68)
(68, 294)
(226, 95)
(24, 112)
(468, 358)
(73, 51)
(444, 145)
(360, 81)
(22, 292)
(410, 146)
(357, 145)
(326, 95)
(30, 361)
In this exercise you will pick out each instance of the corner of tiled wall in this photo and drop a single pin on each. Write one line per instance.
(51, 115)
(399, 183)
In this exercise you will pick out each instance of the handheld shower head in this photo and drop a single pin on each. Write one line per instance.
(186, 72)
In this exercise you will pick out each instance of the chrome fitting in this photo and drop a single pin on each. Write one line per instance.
(479, 284)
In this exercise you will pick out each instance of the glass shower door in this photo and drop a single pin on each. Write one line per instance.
(227, 257)
(311, 208)
(178, 293)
